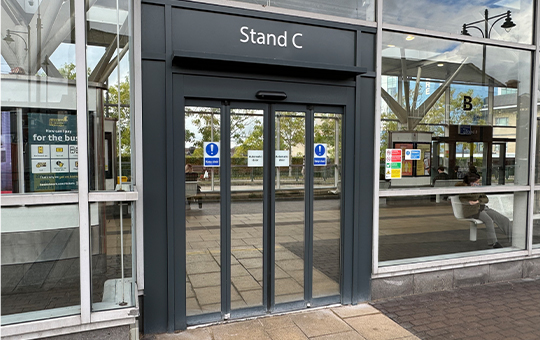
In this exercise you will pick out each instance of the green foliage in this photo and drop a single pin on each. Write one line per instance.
(122, 93)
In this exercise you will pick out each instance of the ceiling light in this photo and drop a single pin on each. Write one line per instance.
(409, 37)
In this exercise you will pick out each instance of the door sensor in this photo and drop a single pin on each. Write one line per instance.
(272, 95)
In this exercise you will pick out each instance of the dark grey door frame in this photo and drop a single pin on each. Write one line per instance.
(241, 90)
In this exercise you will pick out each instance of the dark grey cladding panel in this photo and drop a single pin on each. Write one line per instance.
(367, 50)
(155, 191)
(234, 35)
(153, 31)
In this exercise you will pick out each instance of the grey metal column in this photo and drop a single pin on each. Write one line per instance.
(269, 227)
(308, 182)
(225, 187)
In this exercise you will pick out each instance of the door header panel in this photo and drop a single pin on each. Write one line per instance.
(234, 35)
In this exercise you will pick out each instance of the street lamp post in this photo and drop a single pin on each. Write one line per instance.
(486, 33)
(8, 39)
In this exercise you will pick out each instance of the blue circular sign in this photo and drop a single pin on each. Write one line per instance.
(320, 150)
(407, 152)
(212, 149)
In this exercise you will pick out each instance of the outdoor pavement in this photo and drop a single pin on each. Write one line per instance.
(361, 322)
(503, 310)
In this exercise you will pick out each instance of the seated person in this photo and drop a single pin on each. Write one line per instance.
(441, 174)
(474, 206)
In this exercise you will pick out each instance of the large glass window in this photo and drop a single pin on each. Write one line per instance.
(508, 21)
(39, 122)
(357, 9)
(40, 262)
(416, 228)
(109, 88)
(462, 107)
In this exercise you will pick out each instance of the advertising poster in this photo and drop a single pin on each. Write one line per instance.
(407, 165)
(424, 164)
(53, 152)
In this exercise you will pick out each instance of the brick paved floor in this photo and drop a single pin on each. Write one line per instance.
(508, 310)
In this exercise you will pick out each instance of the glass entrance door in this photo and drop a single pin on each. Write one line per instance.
(263, 207)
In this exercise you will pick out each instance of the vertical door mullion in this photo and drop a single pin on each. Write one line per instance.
(308, 234)
(225, 188)
(269, 206)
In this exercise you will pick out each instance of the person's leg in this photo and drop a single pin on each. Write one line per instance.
(490, 227)
(502, 221)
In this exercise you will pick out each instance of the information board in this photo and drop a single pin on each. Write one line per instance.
(393, 164)
(211, 154)
(52, 141)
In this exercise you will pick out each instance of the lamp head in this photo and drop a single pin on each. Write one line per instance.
(464, 30)
(8, 38)
(508, 23)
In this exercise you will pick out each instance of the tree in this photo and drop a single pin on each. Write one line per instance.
(292, 131)
(68, 71)
(325, 131)
(124, 120)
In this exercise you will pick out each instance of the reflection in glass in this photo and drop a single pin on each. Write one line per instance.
(450, 17)
(112, 258)
(357, 9)
(536, 219)
(327, 205)
(39, 125)
(247, 181)
(203, 274)
(416, 226)
(472, 102)
(109, 86)
(40, 262)
(289, 206)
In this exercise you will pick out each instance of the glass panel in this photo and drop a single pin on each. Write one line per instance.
(40, 262)
(536, 219)
(203, 270)
(247, 182)
(39, 124)
(418, 228)
(327, 204)
(109, 87)
(357, 9)
(450, 16)
(112, 256)
(289, 206)
(457, 105)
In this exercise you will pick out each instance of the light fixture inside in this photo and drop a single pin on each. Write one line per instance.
(391, 45)
(409, 37)
(440, 64)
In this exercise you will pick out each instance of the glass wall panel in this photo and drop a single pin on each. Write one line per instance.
(290, 206)
(356, 9)
(536, 219)
(39, 122)
(40, 262)
(451, 16)
(462, 107)
(109, 94)
(203, 225)
(327, 204)
(417, 228)
(112, 255)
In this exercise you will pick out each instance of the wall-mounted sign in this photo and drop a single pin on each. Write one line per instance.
(53, 152)
(248, 37)
(413, 154)
(211, 154)
(319, 156)
(282, 158)
(255, 158)
(465, 130)
(393, 164)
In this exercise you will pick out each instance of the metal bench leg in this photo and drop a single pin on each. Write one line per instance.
(473, 228)
(437, 198)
